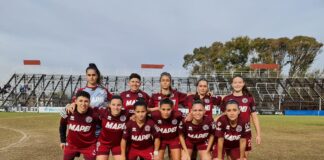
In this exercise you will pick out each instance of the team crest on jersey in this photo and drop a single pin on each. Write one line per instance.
(219, 123)
(238, 128)
(122, 118)
(109, 117)
(134, 129)
(174, 122)
(159, 98)
(127, 95)
(88, 119)
(227, 127)
(205, 127)
(147, 128)
(140, 95)
(159, 121)
(207, 100)
(72, 118)
(244, 100)
(190, 128)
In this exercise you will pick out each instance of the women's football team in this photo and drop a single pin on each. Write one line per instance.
(135, 125)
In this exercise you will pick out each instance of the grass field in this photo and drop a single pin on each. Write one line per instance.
(33, 136)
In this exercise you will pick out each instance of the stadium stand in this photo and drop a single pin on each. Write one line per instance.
(271, 93)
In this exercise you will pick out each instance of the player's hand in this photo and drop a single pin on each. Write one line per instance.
(70, 108)
(62, 146)
(190, 93)
(189, 117)
(258, 139)
(241, 159)
(132, 118)
(186, 156)
(122, 157)
(156, 157)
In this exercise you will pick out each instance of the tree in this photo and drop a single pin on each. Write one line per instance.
(270, 51)
(302, 51)
(236, 54)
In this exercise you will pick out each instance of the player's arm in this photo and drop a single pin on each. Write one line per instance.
(62, 130)
(242, 148)
(153, 109)
(256, 123)
(156, 148)
(123, 148)
(212, 136)
(123, 143)
(210, 142)
(220, 143)
(184, 146)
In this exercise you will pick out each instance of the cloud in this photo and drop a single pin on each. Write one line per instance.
(118, 35)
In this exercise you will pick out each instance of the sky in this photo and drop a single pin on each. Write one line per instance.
(120, 35)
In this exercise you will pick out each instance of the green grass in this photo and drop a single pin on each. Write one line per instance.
(283, 137)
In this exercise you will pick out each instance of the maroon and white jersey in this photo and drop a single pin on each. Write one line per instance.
(141, 137)
(198, 133)
(246, 104)
(112, 127)
(231, 135)
(80, 129)
(169, 128)
(210, 102)
(99, 96)
(129, 98)
(175, 96)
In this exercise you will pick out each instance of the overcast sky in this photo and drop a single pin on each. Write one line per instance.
(120, 35)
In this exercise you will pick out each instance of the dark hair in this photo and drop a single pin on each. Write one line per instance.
(245, 90)
(198, 101)
(232, 101)
(117, 97)
(140, 102)
(135, 75)
(94, 67)
(82, 94)
(166, 101)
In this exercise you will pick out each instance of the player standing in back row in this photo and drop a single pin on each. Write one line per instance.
(247, 107)
(131, 96)
(166, 91)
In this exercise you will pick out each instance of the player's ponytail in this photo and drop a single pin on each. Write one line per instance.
(94, 67)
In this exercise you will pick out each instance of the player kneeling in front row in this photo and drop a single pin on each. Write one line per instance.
(199, 133)
(231, 131)
(140, 135)
(168, 121)
(81, 126)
